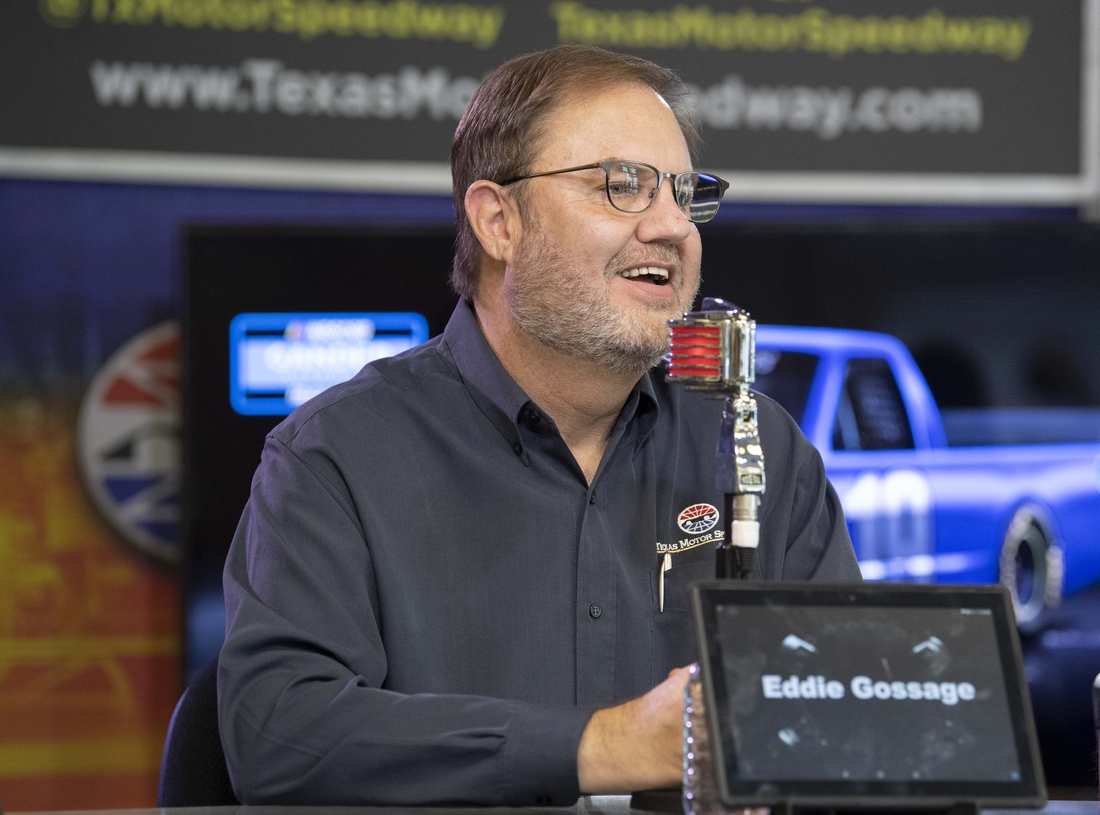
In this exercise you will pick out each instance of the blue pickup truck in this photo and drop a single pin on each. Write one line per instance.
(918, 507)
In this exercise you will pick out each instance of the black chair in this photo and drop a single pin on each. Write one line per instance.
(193, 772)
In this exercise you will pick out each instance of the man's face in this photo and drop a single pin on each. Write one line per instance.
(574, 283)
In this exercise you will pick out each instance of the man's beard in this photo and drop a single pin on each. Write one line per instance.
(573, 314)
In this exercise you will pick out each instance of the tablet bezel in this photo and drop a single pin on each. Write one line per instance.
(1030, 791)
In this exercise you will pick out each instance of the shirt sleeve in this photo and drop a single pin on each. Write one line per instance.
(802, 508)
(303, 711)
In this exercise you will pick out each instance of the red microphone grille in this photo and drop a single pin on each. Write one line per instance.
(695, 350)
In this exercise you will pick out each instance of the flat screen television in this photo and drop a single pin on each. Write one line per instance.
(999, 316)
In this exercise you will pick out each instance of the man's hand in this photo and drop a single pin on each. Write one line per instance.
(637, 745)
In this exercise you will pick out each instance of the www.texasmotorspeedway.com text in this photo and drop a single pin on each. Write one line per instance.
(265, 85)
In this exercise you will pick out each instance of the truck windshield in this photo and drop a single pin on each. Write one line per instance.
(786, 377)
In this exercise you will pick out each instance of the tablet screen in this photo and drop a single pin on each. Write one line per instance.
(885, 693)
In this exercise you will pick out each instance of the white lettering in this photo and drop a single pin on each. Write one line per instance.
(262, 73)
(771, 686)
(263, 85)
(790, 688)
(830, 112)
(862, 687)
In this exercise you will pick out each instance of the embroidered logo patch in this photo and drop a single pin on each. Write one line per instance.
(698, 518)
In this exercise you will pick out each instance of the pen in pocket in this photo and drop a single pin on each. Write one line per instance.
(663, 566)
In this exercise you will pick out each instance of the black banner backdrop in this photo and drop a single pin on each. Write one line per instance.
(976, 100)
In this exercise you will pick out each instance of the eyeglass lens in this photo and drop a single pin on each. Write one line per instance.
(632, 188)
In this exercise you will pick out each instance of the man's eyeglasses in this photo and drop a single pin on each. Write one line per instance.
(633, 186)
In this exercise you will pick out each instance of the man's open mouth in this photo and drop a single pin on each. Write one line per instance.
(647, 274)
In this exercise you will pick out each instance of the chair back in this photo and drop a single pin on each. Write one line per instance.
(193, 772)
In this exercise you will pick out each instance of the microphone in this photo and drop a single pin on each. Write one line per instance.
(713, 350)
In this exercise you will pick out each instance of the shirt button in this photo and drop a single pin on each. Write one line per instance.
(592, 497)
(518, 448)
(533, 416)
(595, 610)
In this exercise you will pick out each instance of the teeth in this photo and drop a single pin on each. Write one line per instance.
(653, 271)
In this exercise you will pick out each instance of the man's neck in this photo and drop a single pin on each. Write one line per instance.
(584, 399)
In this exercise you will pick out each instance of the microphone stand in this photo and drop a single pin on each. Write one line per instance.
(739, 475)
(713, 350)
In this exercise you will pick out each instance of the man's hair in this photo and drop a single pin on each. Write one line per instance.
(501, 131)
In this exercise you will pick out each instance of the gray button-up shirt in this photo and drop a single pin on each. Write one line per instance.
(426, 600)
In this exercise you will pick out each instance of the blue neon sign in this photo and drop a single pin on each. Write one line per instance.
(279, 361)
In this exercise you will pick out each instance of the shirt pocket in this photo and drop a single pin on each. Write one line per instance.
(688, 567)
(674, 632)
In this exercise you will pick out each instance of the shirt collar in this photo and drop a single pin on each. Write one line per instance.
(646, 407)
(501, 399)
(492, 388)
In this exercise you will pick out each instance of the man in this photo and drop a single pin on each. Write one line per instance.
(445, 586)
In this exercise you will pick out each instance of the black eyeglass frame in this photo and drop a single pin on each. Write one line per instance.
(661, 176)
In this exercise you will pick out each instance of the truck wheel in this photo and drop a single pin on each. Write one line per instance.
(1031, 568)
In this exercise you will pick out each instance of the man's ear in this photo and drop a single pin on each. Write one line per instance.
(494, 217)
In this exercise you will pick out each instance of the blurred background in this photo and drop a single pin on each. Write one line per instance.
(210, 211)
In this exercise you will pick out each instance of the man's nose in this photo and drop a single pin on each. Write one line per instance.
(664, 220)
